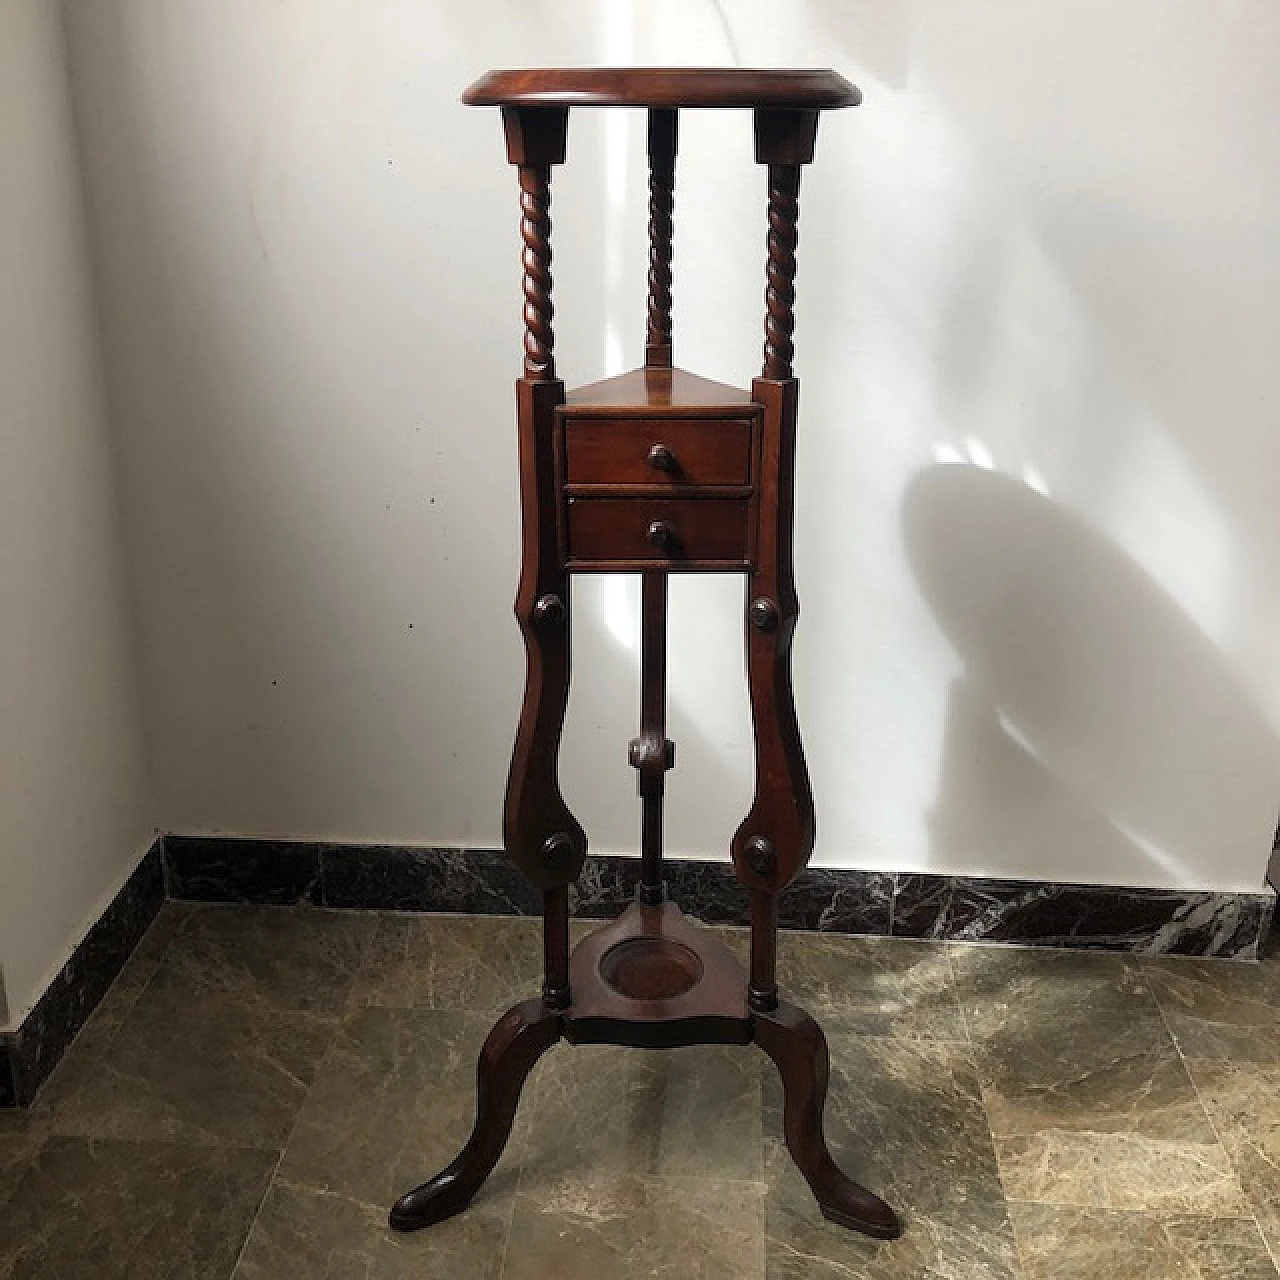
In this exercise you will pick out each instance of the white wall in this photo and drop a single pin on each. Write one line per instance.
(1039, 310)
(74, 811)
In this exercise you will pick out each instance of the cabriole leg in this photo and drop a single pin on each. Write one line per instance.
(799, 1050)
(520, 1037)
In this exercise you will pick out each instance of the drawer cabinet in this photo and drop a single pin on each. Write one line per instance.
(705, 532)
(657, 472)
(661, 453)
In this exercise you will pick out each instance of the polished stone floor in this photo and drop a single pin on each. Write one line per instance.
(261, 1082)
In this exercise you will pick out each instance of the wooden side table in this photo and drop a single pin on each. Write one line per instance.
(657, 471)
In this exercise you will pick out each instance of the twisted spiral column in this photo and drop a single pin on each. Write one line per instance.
(780, 271)
(662, 171)
(535, 231)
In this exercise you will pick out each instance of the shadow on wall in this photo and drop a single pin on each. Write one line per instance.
(1090, 702)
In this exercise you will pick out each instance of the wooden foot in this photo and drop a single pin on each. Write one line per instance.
(519, 1038)
(799, 1050)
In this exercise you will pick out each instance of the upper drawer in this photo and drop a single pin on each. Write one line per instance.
(657, 452)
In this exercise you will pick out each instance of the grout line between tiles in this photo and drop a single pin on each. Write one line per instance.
(126, 1013)
(262, 1199)
(297, 1119)
(1019, 1257)
(523, 1139)
(1245, 1199)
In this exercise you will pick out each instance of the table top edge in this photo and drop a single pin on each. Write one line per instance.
(691, 87)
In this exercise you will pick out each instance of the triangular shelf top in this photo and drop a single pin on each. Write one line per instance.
(659, 393)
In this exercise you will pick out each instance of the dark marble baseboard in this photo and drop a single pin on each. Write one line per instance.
(395, 878)
(28, 1055)
(1157, 921)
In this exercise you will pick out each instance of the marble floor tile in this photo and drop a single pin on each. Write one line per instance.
(878, 986)
(675, 1113)
(222, 1043)
(1119, 1171)
(802, 1245)
(959, 1074)
(478, 963)
(1087, 1097)
(1061, 1003)
(1243, 1102)
(1088, 1244)
(302, 1234)
(1220, 1010)
(905, 1119)
(392, 1105)
(21, 1136)
(83, 1055)
(302, 958)
(130, 1211)
(626, 1227)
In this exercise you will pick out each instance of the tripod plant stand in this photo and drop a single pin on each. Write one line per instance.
(655, 472)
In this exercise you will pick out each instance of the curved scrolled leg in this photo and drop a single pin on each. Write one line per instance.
(781, 812)
(519, 1038)
(799, 1050)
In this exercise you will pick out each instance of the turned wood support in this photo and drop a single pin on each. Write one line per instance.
(776, 837)
(652, 753)
(784, 141)
(540, 834)
(535, 258)
(555, 947)
(536, 141)
(780, 286)
(662, 182)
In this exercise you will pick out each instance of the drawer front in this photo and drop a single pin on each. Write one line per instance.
(670, 531)
(657, 453)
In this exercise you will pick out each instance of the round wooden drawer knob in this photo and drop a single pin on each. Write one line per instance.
(549, 610)
(662, 459)
(761, 856)
(662, 535)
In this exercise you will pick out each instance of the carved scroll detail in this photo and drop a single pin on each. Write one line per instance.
(775, 839)
(541, 835)
(535, 231)
(780, 290)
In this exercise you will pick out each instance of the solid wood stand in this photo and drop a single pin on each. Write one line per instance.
(657, 471)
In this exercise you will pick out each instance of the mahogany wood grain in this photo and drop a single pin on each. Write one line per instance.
(555, 947)
(535, 231)
(713, 1010)
(780, 271)
(818, 90)
(782, 810)
(763, 991)
(654, 532)
(536, 141)
(659, 393)
(540, 834)
(652, 754)
(659, 471)
(621, 451)
(662, 183)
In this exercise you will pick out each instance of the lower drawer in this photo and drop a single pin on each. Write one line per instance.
(695, 532)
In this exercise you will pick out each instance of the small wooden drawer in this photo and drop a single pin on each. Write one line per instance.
(656, 452)
(694, 532)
